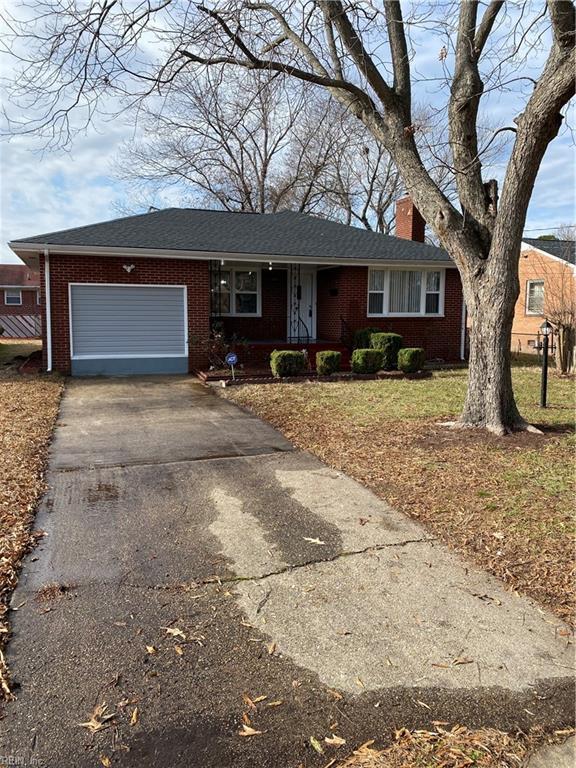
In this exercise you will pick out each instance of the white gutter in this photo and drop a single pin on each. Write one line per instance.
(82, 250)
(463, 332)
(48, 310)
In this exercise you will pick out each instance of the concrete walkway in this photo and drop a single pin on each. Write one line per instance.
(171, 509)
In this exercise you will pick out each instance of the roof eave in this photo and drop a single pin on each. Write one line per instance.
(29, 253)
(530, 247)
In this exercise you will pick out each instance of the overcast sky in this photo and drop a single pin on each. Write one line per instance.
(44, 192)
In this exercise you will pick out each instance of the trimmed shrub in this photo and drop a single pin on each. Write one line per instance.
(366, 360)
(327, 362)
(287, 362)
(411, 359)
(389, 344)
(362, 337)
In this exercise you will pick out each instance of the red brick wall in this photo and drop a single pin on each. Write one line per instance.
(440, 337)
(28, 306)
(409, 222)
(81, 269)
(274, 321)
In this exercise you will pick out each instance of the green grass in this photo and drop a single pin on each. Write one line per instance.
(440, 397)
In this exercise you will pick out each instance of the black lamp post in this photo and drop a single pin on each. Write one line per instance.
(546, 330)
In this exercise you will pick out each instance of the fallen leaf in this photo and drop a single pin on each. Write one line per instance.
(313, 541)
(422, 704)
(316, 745)
(334, 694)
(245, 718)
(271, 647)
(463, 660)
(105, 761)
(248, 701)
(260, 698)
(247, 731)
(98, 719)
(359, 682)
(174, 632)
(335, 741)
(275, 703)
(134, 717)
(179, 650)
(151, 649)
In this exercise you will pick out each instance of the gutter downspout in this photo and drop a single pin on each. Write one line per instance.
(463, 332)
(48, 310)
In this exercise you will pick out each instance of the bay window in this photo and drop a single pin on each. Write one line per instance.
(405, 292)
(236, 291)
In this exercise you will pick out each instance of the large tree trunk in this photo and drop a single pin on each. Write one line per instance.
(490, 297)
(565, 343)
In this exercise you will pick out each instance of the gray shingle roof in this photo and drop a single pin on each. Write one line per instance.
(562, 249)
(281, 234)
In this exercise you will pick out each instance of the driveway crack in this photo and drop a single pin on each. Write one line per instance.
(318, 561)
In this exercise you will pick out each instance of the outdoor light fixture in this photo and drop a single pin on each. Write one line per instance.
(270, 266)
(546, 331)
(221, 262)
(128, 267)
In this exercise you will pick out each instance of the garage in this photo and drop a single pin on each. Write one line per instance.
(128, 329)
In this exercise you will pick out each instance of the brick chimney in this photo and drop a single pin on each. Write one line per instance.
(409, 223)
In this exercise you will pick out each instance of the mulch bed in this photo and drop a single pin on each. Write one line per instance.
(29, 410)
(224, 378)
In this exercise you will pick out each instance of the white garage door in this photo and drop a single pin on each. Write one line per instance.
(128, 329)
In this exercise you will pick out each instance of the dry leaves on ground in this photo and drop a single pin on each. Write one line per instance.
(457, 748)
(29, 405)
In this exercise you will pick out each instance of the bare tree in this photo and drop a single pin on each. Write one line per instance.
(363, 56)
(226, 142)
(247, 143)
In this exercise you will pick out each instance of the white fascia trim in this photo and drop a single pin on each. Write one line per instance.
(527, 247)
(27, 249)
(20, 287)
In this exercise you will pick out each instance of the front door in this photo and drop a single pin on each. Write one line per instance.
(302, 310)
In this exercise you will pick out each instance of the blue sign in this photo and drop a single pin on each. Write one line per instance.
(231, 358)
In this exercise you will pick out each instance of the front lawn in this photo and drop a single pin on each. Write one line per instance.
(505, 502)
(29, 405)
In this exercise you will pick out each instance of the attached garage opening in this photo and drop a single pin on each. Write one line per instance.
(128, 329)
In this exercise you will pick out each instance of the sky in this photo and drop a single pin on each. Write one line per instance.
(44, 191)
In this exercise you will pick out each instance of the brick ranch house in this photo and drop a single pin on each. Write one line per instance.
(547, 272)
(141, 294)
(19, 302)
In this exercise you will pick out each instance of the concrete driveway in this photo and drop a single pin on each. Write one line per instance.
(194, 561)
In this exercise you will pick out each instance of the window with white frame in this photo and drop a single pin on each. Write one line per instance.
(13, 298)
(236, 291)
(534, 297)
(405, 292)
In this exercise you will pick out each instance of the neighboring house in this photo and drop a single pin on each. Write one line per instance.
(20, 308)
(547, 272)
(140, 294)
